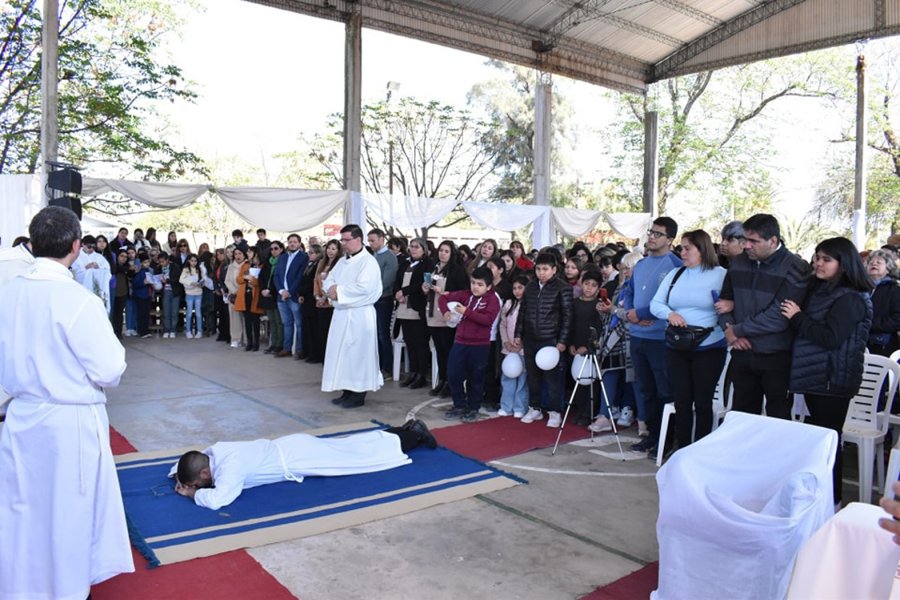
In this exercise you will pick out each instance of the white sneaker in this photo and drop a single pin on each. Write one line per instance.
(518, 414)
(554, 419)
(626, 417)
(600, 425)
(614, 412)
(171, 335)
(642, 429)
(502, 413)
(532, 415)
(235, 344)
(189, 335)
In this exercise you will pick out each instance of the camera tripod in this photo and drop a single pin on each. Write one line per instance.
(596, 353)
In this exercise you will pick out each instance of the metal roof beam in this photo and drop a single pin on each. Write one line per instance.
(690, 11)
(668, 66)
(573, 16)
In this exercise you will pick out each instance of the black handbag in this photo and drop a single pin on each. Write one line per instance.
(689, 336)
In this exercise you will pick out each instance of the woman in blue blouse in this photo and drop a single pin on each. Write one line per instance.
(693, 374)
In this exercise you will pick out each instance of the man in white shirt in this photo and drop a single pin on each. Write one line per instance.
(216, 477)
(62, 524)
(92, 271)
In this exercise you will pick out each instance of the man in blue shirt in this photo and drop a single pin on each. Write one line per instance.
(648, 334)
(288, 272)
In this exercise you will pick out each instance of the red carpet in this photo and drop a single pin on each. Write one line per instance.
(491, 439)
(229, 576)
(635, 586)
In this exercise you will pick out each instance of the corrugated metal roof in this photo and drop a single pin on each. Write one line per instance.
(622, 44)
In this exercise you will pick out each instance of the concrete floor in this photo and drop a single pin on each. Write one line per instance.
(581, 522)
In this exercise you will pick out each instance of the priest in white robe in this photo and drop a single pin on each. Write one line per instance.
(351, 358)
(92, 271)
(216, 477)
(62, 522)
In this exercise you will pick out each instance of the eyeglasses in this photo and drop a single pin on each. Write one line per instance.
(656, 234)
(182, 245)
(274, 248)
(346, 240)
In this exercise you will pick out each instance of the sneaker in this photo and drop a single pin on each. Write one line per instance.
(645, 445)
(518, 414)
(454, 414)
(503, 413)
(235, 344)
(533, 414)
(470, 416)
(614, 412)
(387, 375)
(600, 425)
(189, 335)
(626, 417)
(642, 429)
(554, 419)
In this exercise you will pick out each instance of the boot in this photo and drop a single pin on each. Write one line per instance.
(408, 380)
(436, 390)
(417, 382)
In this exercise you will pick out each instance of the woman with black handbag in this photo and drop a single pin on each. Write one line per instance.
(695, 343)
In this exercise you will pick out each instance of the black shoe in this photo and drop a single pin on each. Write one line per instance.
(269, 350)
(425, 437)
(248, 348)
(454, 413)
(644, 445)
(418, 382)
(445, 391)
(408, 380)
(436, 390)
(340, 399)
(470, 416)
(354, 400)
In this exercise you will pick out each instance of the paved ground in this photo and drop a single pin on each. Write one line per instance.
(581, 522)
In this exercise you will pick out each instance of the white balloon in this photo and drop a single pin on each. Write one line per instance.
(587, 371)
(455, 317)
(512, 366)
(547, 358)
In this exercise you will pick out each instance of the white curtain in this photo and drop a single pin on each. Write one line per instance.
(575, 222)
(505, 217)
(630, 225)
(151, 193)
(408, 212)
(20, 199)
(283, 209)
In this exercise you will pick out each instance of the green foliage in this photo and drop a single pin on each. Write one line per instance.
(109, 79)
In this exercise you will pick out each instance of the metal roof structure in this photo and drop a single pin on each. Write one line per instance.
(620, 44)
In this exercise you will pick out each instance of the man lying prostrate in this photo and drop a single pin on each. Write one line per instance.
(216, 477)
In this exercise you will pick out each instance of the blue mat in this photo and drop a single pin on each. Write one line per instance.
(168, 528)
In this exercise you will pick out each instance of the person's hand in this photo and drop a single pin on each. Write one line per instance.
(738, 343)
(437, 289)
(604, 306)
(572, 351)
(332, 292)
(561, 347)
(581, 350)
(266, 293)
(724, 306)
(789, 308)
(91, 265)
(515, 345)
(460, 309)
(399, 296)
(631, 315)
(676, 320)
(285, 295)
(645, 322)
(426, 288)
(448, 315)
(517, 342)
(185, 490)
(891, 507)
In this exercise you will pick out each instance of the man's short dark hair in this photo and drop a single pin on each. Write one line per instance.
(764, 224)
(121, 229)
(591, 275)
(261, 230)
(484, 274)
(670, 225)
(353, 230)
(237, 232)
(138, 229)
(88, 239)
(53, 231)
(294, 235)
(547, 258)
(377, 232)
(162, 255)
(189, 466)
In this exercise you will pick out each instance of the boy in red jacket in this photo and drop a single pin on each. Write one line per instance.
(479, 307)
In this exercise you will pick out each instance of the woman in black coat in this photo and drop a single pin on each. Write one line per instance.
(411, 313)
(884, 338)
(449, 276)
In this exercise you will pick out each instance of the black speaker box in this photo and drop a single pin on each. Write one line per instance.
(67, 181)
(70, 202)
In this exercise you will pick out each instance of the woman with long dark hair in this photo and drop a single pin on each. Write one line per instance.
(831, 328)
(411, 313)
(247, 298)
(220, 291)
(324, 309)
(268, 298)
(449, 275)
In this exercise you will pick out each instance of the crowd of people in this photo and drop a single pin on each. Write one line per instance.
(661, 318)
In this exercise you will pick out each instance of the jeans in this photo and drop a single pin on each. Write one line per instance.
(194, 304)
(466, 365)
(130, 315)
(614, 384)
(383, 309)
(651, 377)
(514, 398)
(290, 316)
(169, 311)
(693, 375)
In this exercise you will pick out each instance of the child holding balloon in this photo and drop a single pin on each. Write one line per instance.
(514, 399)
(585, 317)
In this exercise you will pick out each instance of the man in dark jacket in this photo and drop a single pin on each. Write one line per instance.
(760, 337)
(288, 272)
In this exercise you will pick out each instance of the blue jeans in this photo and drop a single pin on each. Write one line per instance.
(383, 309)
(290, 315)
(466, 365)
(514, 398)
(194, 304)
(170, 304)
(130, 315)
(651, 377)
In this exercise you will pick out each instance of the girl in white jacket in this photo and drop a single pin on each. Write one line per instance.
(514, 399)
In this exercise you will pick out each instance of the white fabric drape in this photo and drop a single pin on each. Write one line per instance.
(575, 222)
(630, 225)
(408, 212)
(151, 193)
(20, 199)
(504, 217)
(283, 209)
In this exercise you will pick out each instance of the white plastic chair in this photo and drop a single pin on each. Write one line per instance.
(862, 425)
(399, 356)
(434, 365)
(893, 471)
(893, 420)
(721, 404)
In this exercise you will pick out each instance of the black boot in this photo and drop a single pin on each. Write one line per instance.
(417, 382)
(425, 437)
(436, 390)
(410, 377)
(354, 400)
(340, 399)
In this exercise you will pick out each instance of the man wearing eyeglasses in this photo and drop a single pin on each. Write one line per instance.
(353, 287)
(648, 334)
(757, 282)
(92, 270)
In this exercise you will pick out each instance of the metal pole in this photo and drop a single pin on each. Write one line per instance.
(391, 167)
(651, 161)
(49, 101)
(860, 180)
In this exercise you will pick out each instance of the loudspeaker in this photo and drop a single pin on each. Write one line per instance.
(70, 202)
(67, 181)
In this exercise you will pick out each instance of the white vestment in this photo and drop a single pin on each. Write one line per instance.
(96, 279)
(237, 466)
(62, 523)
(15, 261)
(351, 357)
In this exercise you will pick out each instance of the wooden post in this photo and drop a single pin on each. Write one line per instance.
(542, 233)
(860, 180)
(651, 161)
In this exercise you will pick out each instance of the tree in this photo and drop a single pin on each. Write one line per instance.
(709, 142)
(427, 148)
(109, 79)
